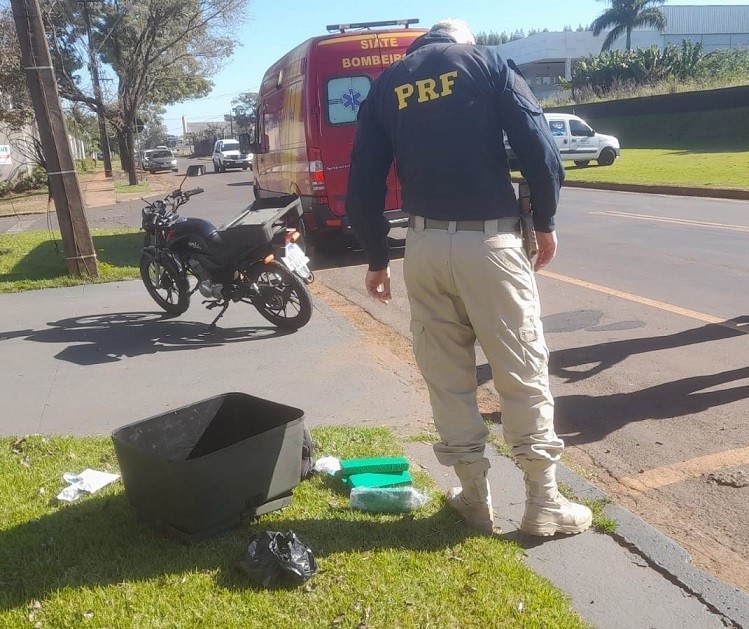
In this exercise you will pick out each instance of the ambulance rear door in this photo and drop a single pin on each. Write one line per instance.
(347, 65)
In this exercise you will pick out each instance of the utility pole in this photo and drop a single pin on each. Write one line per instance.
(94, 67)
(231, 124)
(80, 255)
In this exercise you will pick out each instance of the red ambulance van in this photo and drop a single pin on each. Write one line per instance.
(306, 120)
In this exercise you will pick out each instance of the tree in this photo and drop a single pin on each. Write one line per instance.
(163, 50)
(15, 102)
(492, 38)
(244, 112)
(624, 16)
(155, 132)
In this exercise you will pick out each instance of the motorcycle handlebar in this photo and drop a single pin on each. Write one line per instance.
(189, 193)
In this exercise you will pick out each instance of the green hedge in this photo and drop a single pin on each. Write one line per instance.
(85, 165)
(37, 180)
(716, 130)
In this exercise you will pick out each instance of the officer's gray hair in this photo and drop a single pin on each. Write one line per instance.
(455, 28)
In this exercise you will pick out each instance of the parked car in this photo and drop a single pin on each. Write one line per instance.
(226, 154)
(577, 142)
(161, 159)
(144, 158)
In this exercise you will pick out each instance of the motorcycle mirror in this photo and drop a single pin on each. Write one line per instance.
(194, 170)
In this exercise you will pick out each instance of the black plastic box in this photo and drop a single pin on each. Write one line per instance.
(204, 468)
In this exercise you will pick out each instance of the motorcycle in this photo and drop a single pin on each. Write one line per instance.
(253, 259)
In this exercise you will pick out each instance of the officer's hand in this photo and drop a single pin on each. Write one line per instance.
(547, 249)
(378, 284)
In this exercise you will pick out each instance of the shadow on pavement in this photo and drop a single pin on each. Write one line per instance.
(586, 418)
(594, 417)
(107, 338)
(569, 363)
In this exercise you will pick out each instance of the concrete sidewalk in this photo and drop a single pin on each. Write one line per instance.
(98, 191)
(89, 359)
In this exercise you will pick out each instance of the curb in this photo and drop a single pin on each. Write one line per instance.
(665, 556)
(683, 191)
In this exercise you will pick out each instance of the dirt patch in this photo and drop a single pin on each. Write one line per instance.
(384, 336)
(160, 184)
(676, 511)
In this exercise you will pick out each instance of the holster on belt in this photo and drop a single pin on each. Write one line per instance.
(526, 219)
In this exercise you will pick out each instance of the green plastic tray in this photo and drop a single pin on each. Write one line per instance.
(379, 465)
(369, 479)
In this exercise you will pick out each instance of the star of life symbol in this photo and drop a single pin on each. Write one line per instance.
(351, 99)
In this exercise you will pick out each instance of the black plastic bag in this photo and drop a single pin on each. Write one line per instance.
(277, 557)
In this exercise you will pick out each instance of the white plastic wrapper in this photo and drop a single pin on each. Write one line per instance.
(87, 482)
(327, 465)
(387, 499)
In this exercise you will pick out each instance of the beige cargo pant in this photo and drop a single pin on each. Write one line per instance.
(465, 285)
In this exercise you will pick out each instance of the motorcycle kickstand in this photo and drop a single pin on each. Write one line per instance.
(217, 304)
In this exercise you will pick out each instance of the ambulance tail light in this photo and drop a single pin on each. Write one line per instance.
(316, 171)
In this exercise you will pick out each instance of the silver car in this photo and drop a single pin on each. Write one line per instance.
(161, 159)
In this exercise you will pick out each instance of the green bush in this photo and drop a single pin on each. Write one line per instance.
(730, 64)
(5, 188)
(35, 181)
(613, 69)
(85, 165)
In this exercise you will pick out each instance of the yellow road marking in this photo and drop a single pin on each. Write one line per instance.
(678, 472)
(676, 221)
(692, 314)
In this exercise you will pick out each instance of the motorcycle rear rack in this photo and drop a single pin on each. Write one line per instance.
(267, 212)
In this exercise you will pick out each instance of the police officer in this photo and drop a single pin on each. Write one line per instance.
(440, 113)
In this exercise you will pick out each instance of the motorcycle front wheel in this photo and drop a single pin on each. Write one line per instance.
(168, 287)
(283, 300)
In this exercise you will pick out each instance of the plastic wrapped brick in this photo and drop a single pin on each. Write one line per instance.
(387, 499)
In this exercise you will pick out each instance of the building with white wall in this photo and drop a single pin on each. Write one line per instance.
(545, 57)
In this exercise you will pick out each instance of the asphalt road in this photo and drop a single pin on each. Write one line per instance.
(646, 311)
(226, 195)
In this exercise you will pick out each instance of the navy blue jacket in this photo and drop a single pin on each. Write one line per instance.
(440, 112)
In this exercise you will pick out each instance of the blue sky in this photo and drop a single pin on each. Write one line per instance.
(273, 27)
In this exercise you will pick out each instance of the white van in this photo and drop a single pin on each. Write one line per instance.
(577, 142)
(226, 154)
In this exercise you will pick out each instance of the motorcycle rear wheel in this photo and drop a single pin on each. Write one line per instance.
(284, 300)
(166, 285)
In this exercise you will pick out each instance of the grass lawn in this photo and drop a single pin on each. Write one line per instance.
(125, 188)
(670, 167)
(33, 260)
(93, 563)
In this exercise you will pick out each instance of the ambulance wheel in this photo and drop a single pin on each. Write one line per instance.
(582, 163)
(607, 157)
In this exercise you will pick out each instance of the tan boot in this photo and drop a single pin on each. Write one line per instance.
(547, 512)
(473, 501)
